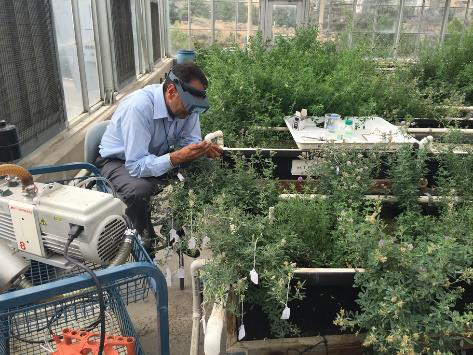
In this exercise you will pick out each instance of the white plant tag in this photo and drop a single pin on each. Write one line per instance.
(338, 170)
(286, 313)
(241, 332)
(180, 273)
(168, 276)
(180, 177)
(254, 276)
(204, 324)
(173, 235)
(205, 240)
(191, 243)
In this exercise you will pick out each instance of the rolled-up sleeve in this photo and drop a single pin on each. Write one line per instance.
(190, 131)
(136, 130)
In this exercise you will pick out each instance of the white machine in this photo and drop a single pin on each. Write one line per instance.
(35, 225)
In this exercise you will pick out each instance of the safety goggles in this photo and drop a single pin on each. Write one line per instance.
(194, 100)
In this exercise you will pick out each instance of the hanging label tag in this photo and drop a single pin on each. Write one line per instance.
(241, 332)
(254, 276)
(191, 243)
(173, 235)
(180, 273)
(204, 324)
(286, 313)
(168, 276)
(205, 240)
(338, 170)
(180, 177)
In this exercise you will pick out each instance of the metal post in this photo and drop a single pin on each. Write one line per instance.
(80, 54)
(139, 34)
(398, 27)
(321, 15)
(249, 24)
(189, 25)
(350, 33)
(465, 20)
(421, 19)
(212, 19)
(105, 50)
(236, 20)
(97, 47)
(444, 27)
(375, 22)
(143, 36)
(149, 32)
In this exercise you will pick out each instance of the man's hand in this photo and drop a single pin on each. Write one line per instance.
(190, 152)
(214, 151)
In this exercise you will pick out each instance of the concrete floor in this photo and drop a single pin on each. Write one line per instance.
(143, 315)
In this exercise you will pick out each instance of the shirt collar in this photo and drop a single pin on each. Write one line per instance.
(160, 109)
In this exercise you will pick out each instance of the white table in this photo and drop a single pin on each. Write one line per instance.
(366, 132)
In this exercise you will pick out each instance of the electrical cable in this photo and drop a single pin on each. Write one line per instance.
(55, 317)
(99, 178)
(74, 232)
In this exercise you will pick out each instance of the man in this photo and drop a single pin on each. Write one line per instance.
(153, 131)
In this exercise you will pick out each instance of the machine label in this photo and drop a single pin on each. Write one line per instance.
(26, 228)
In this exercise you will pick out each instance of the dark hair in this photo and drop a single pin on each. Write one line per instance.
(186, 73)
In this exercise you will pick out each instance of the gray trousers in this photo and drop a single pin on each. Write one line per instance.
(135, 192)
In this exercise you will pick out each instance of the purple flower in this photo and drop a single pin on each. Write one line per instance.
(381, 243)
(300, 179)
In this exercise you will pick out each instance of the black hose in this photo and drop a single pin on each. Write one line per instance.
(74, 232)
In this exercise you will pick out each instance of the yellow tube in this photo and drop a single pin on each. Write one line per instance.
(16, 170)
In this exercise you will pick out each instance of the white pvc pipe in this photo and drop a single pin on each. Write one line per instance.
(196, 306)
(437, 130)
(218, 135)
(383, 198)
(213, 333)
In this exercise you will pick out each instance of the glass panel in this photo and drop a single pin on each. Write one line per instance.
(90, 57)
(386, 19)
(201, 14)
(432, 21)
(225, 38)
(412, 17)
(178, 13)
(407, 44)
(201, 38)
(383, 44)
(362, 39)
(364, 18)
(456, 18)
(428, 41)
(178, 26)
(225, 16)
(243, 16)
(413, 3)
(340, 18)
(284, 20)
(178, 38)
(314, 12)
(67, 50)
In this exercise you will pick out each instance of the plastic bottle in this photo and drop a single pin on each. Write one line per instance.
(330, 121)
(339, 129)
(348, 132)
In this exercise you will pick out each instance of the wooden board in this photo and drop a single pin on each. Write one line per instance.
(336, 344)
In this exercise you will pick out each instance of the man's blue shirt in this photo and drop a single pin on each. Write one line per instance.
(142, 133)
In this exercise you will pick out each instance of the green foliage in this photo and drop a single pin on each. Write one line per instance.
(449, 68)
(260, 84)
(407, 169)
(417, 266)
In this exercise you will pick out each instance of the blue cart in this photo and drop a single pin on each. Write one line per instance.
(62, 299)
